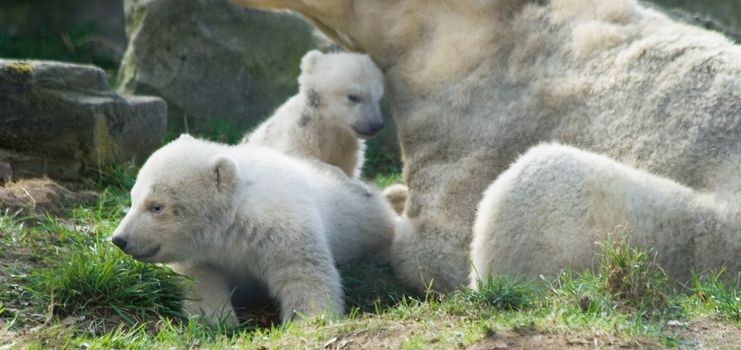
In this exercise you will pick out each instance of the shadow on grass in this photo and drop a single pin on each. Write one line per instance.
(370, 288)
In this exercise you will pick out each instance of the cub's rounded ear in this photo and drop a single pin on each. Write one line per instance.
(185, 137)
(308, 63)
(225, 172)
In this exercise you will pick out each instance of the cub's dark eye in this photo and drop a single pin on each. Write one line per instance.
(353, 98)
(156, 208)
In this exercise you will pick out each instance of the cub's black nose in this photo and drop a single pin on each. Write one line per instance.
(119, 242)
(375, 127)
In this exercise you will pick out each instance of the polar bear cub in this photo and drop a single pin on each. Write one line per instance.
(546, 212)
(229, 215)
(337, 107)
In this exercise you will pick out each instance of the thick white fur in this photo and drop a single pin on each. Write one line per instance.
(474, 83)
(231, 215)
(321, 122)
(546, 212)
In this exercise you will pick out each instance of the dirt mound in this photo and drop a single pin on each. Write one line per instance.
(710, 334)
(529, 338)
(41, 196)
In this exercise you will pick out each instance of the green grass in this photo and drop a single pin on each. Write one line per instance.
(631, 276)
(67, 268)
(100, 281)
(720, 292)
(385, 180)
(503, 293)
(379, 160)
(63, 279)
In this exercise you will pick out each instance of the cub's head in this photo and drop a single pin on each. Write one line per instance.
(182, 199)
(345, 86)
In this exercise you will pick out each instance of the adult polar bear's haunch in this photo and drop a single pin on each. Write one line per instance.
(549, 208)
(474, 83)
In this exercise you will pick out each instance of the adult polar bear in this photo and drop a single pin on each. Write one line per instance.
(474, 83)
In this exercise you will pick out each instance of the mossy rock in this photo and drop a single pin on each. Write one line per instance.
(61, 119)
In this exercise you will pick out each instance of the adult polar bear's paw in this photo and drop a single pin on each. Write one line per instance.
(396, 195)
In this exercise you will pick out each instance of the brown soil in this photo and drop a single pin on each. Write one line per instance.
(528, 338)
(710, 334)
(366, 339)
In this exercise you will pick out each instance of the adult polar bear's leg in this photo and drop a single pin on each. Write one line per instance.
(546, 212)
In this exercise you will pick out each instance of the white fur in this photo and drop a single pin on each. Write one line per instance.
(321, 122)
(231, 215)
(473, 84)
(546, 212)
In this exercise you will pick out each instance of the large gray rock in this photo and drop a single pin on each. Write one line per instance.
(60, 119)
(220, 66)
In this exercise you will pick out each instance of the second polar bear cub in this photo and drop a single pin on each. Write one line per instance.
(546, 212)
(337, 107)
(237, 217)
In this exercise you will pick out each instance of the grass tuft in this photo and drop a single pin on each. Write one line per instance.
(583, 291)
(66, 266)
(118, 178)
(101, 281)
(386, 180)
(503, 293)
(631, 276)
(721, 292)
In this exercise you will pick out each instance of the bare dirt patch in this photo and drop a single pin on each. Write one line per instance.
(366, 339)
(710, 334)
(8, 339)
(528, 338)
